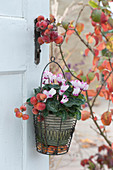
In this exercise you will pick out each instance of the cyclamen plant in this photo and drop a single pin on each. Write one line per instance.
(57, 96)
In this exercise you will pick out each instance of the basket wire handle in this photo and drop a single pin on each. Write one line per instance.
(52, 60)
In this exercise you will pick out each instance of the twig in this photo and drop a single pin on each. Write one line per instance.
(91, 111)
(84, 42)
(61, 52)
(81, 13)
(101, 87)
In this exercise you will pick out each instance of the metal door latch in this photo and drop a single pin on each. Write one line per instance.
(37, 45)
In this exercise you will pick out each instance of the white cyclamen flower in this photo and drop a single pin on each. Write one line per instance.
(60, 78)
(64, 99)
(76, 83)
(63, 88)
(84, 86)
(76, 91)
(49, 93)
(48, 77)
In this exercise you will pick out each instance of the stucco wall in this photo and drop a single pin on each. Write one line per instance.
(67, 10)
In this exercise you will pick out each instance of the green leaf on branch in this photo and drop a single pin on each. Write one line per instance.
(93, 4)
(65, 25)
(84, 78)
(91, 76)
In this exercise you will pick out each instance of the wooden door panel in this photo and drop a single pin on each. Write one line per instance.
(11, 8)
(13, 40)
(18, 77)
(11, 129)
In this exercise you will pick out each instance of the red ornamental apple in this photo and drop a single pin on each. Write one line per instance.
(40, 18)
(46, 39)
(16, 110)
(40, 106)
(33, 100)
(37, 24)
(38, 96)
(50, 27)
(47, 32)
(25, 117)
(40, 40)
(34, 111)
(23, 108)
(53, 35)
(41, 96)
(59, 40)
(40, 118)
(19, 114)
(43, 25)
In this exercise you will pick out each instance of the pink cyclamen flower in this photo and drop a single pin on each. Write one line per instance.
(63, 88)
(64, 99)
(60, 78)
(76, 91)
(49, 93)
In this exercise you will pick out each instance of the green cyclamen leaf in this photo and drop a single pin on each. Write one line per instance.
(64, 115)
(28, 102)
(52, 106)
(37, 90)
(78, 115)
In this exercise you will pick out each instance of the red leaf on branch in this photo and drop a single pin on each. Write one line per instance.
(80, 27)
(96, 52)
(106, 27)
(112, 146)
(85, 115)
(91, 93)
(110, 83)
(87, 51)
(97, 75)
(111, 98)
(101, 127)
(104, 18)
(106, 118)
(95, 60)
(97, 29)
(101, 46)
(89, 38)
(95, 118)
(103, 147)
(70, 32)
(96, 40)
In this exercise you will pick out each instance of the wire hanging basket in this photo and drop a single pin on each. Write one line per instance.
(53, 135)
